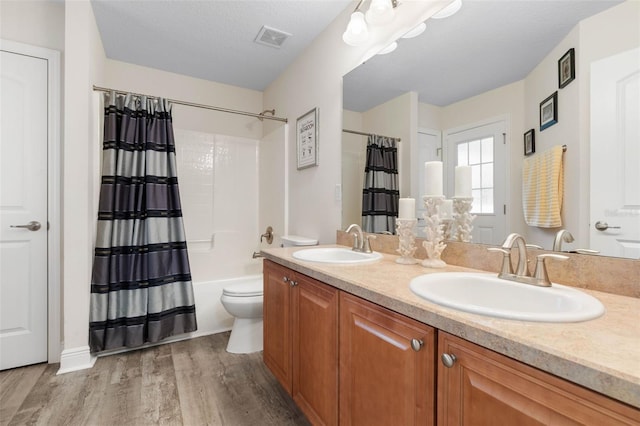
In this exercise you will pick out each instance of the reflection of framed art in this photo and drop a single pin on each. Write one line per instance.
(529, 142)
(549, 111)
(307, 139)
(567, 68)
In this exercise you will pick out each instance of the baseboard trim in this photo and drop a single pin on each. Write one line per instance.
(76, 359)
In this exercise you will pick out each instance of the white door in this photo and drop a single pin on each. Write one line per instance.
(615, 155)
(23, 200)
(483, 148)
(428, 148)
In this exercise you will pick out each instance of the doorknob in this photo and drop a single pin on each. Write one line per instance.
(603, 226)
(31, 226)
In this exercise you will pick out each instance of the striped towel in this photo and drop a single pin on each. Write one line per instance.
(542, 188)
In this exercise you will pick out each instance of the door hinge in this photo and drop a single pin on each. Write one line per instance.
(504, 207)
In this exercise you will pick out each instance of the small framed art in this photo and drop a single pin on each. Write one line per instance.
(549, 111)
(307, 139)
(529, 142)
(567, 68)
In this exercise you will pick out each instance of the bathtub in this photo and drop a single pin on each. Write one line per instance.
(211, 316)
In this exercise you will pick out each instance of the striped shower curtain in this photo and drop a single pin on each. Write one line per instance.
(380, 194)
(141, 287)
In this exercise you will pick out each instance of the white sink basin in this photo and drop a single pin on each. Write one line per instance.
(336, 255)
(486, 294)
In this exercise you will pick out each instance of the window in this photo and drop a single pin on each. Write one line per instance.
(478, 154)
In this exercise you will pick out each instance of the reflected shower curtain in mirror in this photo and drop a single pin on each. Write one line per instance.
(380, 194)
(141, 288)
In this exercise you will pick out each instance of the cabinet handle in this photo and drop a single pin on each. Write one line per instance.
(285, 279)
(448, 360)
(293, 283)
(416, 344)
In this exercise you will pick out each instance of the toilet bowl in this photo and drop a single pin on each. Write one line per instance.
(243, 300)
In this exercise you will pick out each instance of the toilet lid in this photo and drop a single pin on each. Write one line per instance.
(244, 289)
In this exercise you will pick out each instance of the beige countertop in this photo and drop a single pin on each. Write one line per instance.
(602, 354)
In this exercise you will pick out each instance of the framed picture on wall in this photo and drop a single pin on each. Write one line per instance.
(549, 111)
(529, 142)
(307, 139)
(567, 68)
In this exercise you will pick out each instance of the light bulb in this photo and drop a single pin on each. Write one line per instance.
(357, 32)
(380, 12)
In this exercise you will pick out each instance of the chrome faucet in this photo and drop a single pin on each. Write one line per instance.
(360, 242)
(539, 278)
(562, 235)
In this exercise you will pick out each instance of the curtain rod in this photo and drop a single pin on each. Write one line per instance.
(368, 134)
(191, 104)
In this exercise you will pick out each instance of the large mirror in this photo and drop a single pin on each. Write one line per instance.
(480, 77)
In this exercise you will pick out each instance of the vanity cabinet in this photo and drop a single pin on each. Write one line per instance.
(387, 366)
(301, 340)
(348, 361)
(482, 387)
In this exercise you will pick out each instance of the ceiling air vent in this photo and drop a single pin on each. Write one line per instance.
(271, 37)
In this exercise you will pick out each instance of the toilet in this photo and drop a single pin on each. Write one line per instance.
(243, 300)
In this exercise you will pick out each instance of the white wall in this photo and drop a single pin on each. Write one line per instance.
(315, 80)
(84, 64)
(40, 23)
(272, 182)
(138, 79)
(354, 157)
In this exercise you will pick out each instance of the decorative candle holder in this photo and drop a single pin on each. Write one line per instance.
(447, 227)
(407, 239)
(463, 218)
(434, 245)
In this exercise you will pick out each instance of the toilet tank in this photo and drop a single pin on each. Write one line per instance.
(296, 240)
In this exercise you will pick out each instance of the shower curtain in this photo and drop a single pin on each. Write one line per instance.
(380, 194)
(141, 287)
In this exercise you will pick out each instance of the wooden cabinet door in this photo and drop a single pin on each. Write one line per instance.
(486, 388)
(383, 381)
(315, 350)
(277, 322)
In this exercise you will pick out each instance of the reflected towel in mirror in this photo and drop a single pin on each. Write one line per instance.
(543, 188)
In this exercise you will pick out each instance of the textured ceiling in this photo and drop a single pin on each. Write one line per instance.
(486, 45)
(212, 39)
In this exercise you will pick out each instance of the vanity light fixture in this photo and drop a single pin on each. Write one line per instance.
(451, 9)
(380, 12)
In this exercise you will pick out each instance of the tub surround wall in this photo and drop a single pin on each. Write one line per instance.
(218, 176)
(607, 274)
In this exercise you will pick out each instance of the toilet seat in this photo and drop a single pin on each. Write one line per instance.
(245, 289)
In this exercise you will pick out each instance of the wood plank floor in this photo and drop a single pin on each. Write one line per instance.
(193, 382)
